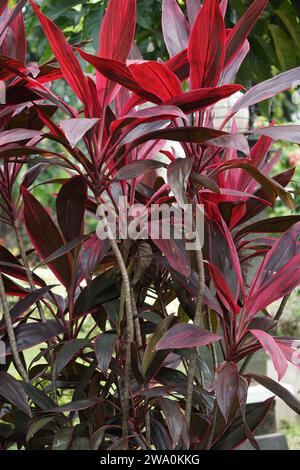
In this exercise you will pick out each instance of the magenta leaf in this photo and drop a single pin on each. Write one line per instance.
(269, 344)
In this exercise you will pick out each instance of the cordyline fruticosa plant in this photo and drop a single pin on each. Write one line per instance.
(113, 366)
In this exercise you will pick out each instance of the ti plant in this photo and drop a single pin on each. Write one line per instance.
(139, 343)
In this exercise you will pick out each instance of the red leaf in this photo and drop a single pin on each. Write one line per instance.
(175, 252)
(66, 58)
(175, 28)
(118, 72)
(240, 32)
(206, 50)
(269, 344)
(116, 36)
(70, 204)
(277, 286)
(223, 290)
(194, 100)
(274, 263)
(45, 236)
(186, 336)
(92, 252)
(156, 79)
(226, 387)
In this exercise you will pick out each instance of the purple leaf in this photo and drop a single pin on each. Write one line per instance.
(175, 28)
(74, 129)
(104, 347)
(12, 391)
(269, 344)
(178, 175)
(70, 204)
(226, 387)
(186, 336)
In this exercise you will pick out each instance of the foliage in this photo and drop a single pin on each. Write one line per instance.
(135, 373)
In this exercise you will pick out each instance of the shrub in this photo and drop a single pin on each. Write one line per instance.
(114, 367)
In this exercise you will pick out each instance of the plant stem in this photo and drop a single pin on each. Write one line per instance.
(130, 329)
(139, 341)
(213, 425)
(197, 321)
(11, 334)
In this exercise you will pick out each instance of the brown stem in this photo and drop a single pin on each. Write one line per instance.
(213, 426)
(130, 329)
(139, 341)
(197, 321)
(11, 334)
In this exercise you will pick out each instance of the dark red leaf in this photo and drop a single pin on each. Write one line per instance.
(12, 391)
(243, 27)
(278, 390)
(186, 336)
(45, 236)
(104, 348)
(223, 290)
(270, 346)
(226, 387)
(32, 334)
(194, 100)
(206, 50)
(116, 37)
(67, 352)
(70, 206)
(66, 58)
